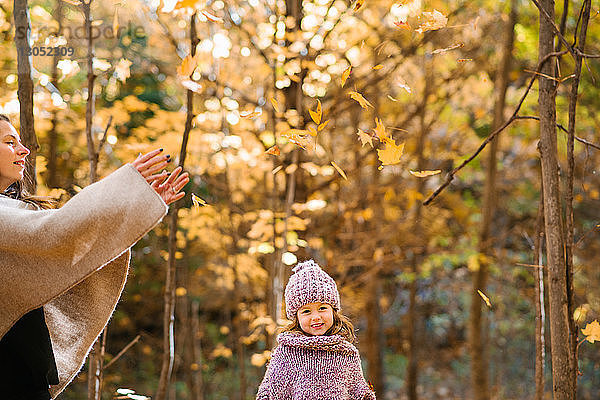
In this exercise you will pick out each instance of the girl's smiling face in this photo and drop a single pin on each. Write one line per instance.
(12, 156)
(315, 318)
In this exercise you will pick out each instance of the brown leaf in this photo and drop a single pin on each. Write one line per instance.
(342, 173)
(364, 137)
(346, 74)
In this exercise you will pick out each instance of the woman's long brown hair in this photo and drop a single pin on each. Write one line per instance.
(341, 326)
(17, 190)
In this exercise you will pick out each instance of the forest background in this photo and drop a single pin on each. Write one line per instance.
(317, 129)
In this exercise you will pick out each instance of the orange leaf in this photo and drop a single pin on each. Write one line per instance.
(197, 201)
(186, 3)
(316, 115)
(402, 25)
(312, 131)
(358, 4)
(391, 154)
(378, 66)
(188, 65)
(346, 74)
(423, 174)
(342, 173)
(275, 105)
(380, 131)
(462, 60)
(322, 126)
(273, 151)
(364, 103)
(592, 331)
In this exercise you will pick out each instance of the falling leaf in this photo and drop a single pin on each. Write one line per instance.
(364, 103)
(391, 98)
(100, 64)
(433, 21)
(250, 114)
(188, 65)
(295, 78)
(276, 170)
(462, 60)
(380, 131)
(364, 137)
(212, 18)
(455, 46)
(122, 69)
(391, 154)
(275, 105)
(358, 4)
(191, 85)
(273, 151)
(322, 126)
(346, 74)
(312, 131)
(423, 174)
(592, 331)
(485, 298)
(186, 4)
(377, 67)
(316, 115)
(402, 25)
(115, 25)
(197, 201)
(342, 173)
(299, 137)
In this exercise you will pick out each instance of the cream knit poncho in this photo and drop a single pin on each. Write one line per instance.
(314, 368)
(73, 261)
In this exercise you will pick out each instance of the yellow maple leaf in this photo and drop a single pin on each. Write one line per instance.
(316, 115)
(342, 173)
(381, 133)
(592, 331)
(364, 103)
(364, 137)
(197, 201)
(188, 65)
(322, 126)
(312, 131)
(433, 21)
(346, 74)
(423, 174)
(275, 105)
(485, 298)
(391, 154)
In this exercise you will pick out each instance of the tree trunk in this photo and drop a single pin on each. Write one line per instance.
(570, 228)
(419, 245)
(540, 309)
(477, 345)
(52, 180)
(560, 335)
(374, 337)
(25, 91)
(197, 383)
(169, 306)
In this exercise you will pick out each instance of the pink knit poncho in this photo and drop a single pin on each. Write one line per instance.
(314, 368)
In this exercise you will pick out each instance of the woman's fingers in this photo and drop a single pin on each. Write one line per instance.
(161, 177)
(143, 158)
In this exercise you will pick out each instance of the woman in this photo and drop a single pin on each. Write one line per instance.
(62, 271)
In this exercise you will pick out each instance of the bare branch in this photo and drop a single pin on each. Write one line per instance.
(129, 345)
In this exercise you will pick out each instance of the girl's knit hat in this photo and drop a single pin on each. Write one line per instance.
(310, 284)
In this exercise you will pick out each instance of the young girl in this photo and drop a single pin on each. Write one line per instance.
(62, 271)
(315, 358)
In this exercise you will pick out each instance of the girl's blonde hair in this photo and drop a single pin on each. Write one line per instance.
(341, 326)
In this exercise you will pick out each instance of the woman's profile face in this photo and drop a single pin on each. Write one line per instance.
(12, 156)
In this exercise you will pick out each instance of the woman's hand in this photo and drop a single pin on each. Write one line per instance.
(168, 186)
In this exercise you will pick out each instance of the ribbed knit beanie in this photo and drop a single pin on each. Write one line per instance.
(310, 284)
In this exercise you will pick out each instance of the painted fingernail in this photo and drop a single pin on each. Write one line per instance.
(160, 149)
(168, 156)
(169, 160)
